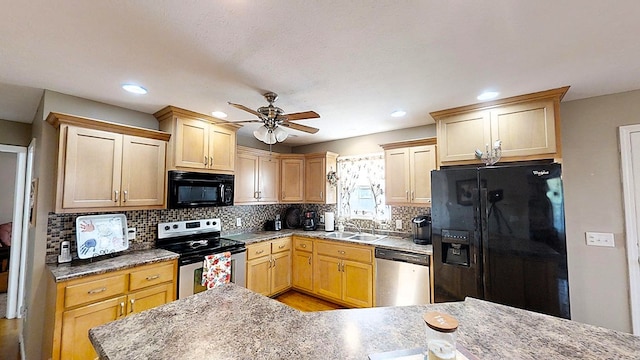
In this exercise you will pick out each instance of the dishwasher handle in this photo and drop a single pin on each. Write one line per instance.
(402, 256)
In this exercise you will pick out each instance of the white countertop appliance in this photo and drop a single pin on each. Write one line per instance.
(194, 240)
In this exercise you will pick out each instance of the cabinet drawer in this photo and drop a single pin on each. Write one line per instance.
(151, 276)
(281, 245)
(345, 252)
(258, 250)
(303, 244)
(95, 290)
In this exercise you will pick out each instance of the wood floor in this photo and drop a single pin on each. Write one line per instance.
(306, 303)
(9, 330)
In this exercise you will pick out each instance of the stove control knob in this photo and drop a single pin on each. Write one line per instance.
(167, 227)
(175, 226)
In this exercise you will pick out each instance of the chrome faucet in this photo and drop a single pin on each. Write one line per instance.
(354, 225)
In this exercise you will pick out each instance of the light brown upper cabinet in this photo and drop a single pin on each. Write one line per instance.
(316, 187)
(408, 166)
(257, 176)
(291, 178)
(104, 166)
(528, 126)
(199, 142)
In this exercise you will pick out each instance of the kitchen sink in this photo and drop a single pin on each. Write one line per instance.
(353, 236)
(366, 237)
(340, 235)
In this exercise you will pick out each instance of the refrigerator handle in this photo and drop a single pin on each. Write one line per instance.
(484, 242)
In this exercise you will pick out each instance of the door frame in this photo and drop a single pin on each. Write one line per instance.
(631, 223)
(17, 234)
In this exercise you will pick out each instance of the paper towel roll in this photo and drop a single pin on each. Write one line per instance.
(329, 221)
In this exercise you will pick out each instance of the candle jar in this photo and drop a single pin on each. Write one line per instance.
(441, 336)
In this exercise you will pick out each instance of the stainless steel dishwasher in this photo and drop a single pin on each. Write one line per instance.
(402, 278)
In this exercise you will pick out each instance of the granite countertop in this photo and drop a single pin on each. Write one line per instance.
(231, 322)
(77, 269)
(388, 242)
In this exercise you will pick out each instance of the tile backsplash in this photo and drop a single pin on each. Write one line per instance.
(62, 226)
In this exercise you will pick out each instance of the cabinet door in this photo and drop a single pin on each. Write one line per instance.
(76, 323)
(149, 298)
(292, 180)
(143, 171)
(92, 170)
(302, 270)
(422, 159)
(222, 148)
(281, 272)
(357, 286)
(460, 135)
(259, 275)
(314, 180)
(396, 165)
(192, 144)
(525, 129)
(268, 171)
(327, 277)
(246, 179)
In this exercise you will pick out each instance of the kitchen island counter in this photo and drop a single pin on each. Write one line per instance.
(231, 322)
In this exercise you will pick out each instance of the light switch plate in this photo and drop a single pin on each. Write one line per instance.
(398, 224)
(600, 239)
(131, 233)
(238, 221)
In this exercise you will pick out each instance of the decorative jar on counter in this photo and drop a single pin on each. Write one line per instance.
(441, 336)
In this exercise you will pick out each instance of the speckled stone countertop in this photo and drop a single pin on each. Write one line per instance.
(69, 271)
(231, 322)
(388, 242)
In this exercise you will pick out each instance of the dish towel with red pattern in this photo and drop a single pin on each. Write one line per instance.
(216, 270)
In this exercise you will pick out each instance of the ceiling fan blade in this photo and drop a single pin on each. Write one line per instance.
(242, 107)
(307, 129)
(247, 121)
(302, 115)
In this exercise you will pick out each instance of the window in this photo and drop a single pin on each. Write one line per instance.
(361, 187)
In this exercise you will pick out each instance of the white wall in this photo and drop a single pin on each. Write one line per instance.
(598, 282)
(7, 185)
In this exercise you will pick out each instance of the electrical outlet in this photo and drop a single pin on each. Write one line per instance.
(600, 239)
(131, 233)
(238, 222)
(398, 224)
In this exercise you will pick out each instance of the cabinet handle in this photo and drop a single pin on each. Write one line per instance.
(206, 161)
(153, 277)
(281, 246)
(407, 194)
(283, 195)
(309, 260)
(321, 193)
(259, 252)
(342, 266)
(304, 246)
(255, 195)
(259, 194)
(274, 262)
(342, 252)
(122, 308)
(117, 195)
(413, 195)
(125, 195)
(96, 291)
(132, 301)
(338, 266)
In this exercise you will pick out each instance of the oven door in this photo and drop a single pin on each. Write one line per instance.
(190, 275)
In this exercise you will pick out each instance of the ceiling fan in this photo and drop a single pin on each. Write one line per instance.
(272, 117)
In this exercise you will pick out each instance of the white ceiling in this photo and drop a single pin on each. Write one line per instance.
(353, 62)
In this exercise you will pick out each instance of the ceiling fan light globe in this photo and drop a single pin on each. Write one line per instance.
(260, 133)
(280, 134)
(270, 138)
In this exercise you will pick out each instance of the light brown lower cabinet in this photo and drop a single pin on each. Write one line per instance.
(269, 266)
(302, 268)
(84, 303)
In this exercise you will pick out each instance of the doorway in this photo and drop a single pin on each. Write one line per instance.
(14, 223)
(630, 157)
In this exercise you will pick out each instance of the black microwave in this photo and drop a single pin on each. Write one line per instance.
(192, 189)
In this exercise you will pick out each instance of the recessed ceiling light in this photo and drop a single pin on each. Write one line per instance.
(488, 95)
(134, 89)
(398, 113)
(219, 114)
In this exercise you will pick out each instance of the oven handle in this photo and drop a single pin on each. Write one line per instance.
(191, 259)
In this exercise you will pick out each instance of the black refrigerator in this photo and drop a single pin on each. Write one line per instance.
(498, 234)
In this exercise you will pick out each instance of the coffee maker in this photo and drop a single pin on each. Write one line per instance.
(309, 221)
(422, 229)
